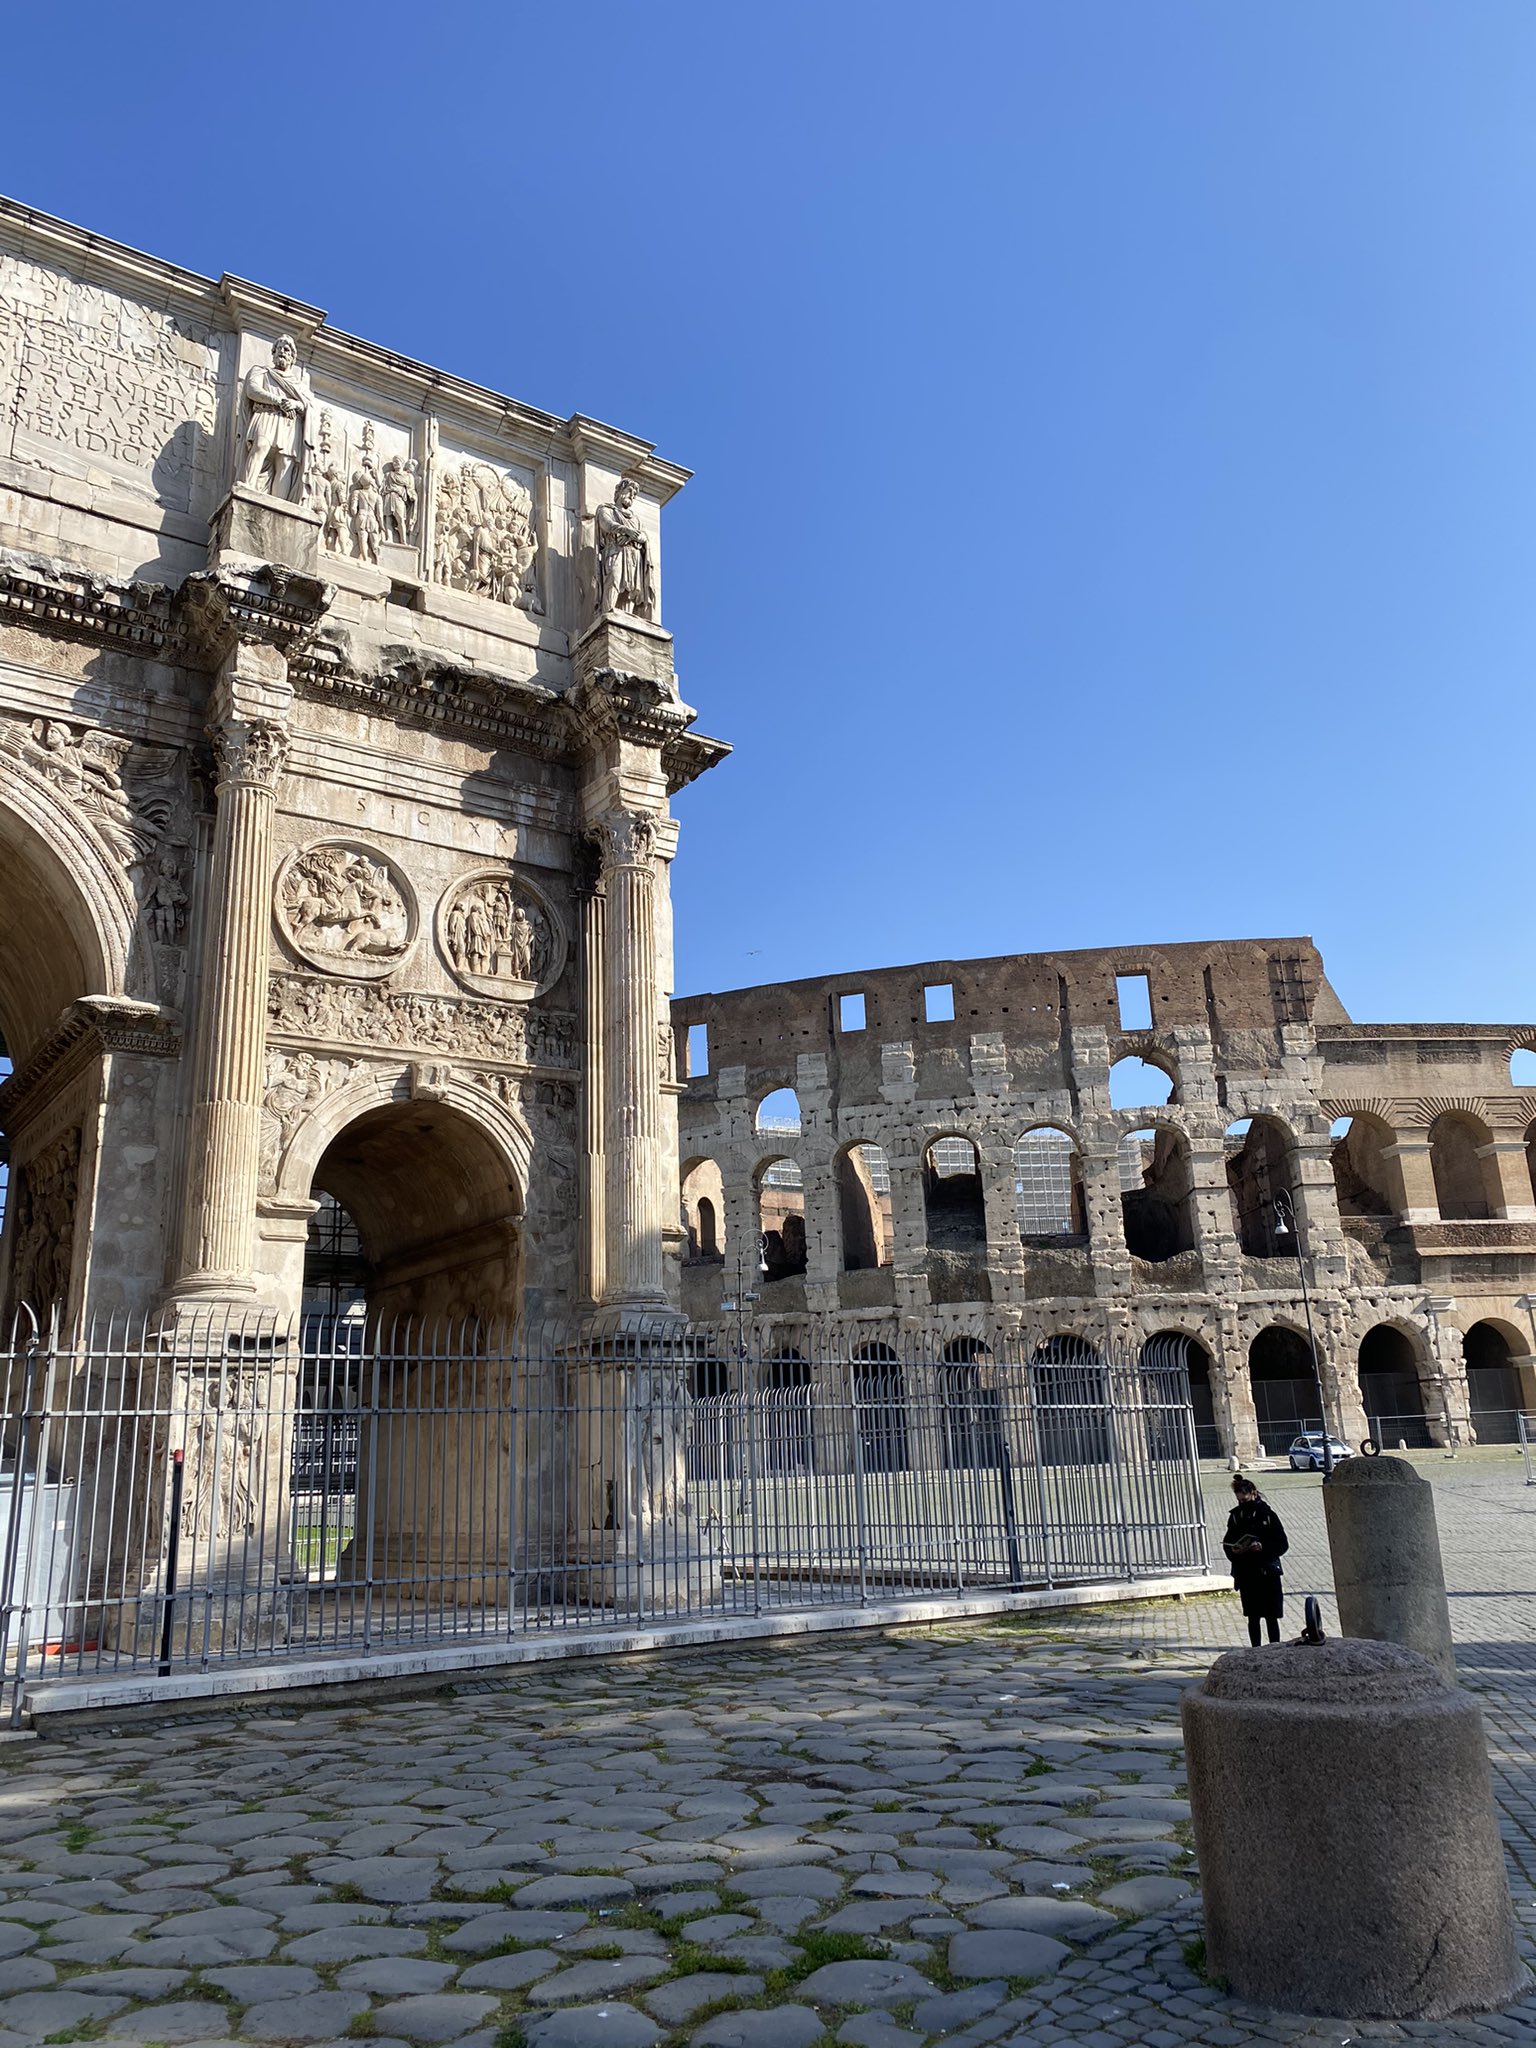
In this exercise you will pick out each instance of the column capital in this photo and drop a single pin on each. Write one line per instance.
(250, 753)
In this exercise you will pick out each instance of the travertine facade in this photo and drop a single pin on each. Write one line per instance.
(969, 1176)
(337, 731)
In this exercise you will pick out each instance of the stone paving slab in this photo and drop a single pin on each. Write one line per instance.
(973, 1833)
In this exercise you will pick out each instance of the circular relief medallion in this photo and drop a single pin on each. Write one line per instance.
(345, 907)
(499, 935)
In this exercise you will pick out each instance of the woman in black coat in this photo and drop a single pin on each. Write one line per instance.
(1255, 1543)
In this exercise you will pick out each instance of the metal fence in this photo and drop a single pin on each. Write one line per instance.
(231, 1489)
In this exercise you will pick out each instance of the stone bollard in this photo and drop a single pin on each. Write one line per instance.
(1344, 1821)
(1386, 1558)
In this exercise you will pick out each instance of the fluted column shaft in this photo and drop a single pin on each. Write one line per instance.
(631, 1071)
(219, 1226)
(594, 1192)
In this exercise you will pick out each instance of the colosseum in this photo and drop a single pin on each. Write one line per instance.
(1072, 1150)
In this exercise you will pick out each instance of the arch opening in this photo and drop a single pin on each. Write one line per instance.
(971, 1409)
(1362, 1175)
(789, 1437)
(1135, 1083)
(1177, 1347)
(781, 1219)
(954, 1205)
(1157, 1190)
(863, 1176)
(1048, 1187)
(51, 954)
(1259, 1171)
(436, 1214)
(778, 1115)
(1391, 1391)
(1287, 1398)
(880, 1408)
(1494, 1392)
(702, 1196)
(1461, 1185)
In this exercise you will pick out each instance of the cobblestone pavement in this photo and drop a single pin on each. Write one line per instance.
(973, 1834)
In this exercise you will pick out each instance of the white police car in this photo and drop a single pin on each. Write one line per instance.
(1307, 1451)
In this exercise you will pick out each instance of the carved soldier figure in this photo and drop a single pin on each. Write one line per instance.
(276, 444)
(522, 938)
(400, 500)
(165, 905)
(331, 503)
(625, 580)
(364, 511)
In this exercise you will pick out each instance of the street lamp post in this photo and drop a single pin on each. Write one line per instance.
(740, 1306)
(1286, 1225)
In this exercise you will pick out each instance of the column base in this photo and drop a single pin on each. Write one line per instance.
(656, 1322)
(647, 1588)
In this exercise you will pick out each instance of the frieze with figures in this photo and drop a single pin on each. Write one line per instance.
(335, 1011)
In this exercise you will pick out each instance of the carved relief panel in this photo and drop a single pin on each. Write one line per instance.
(499, 936)
(365, 483)
(345, 906)
(484, 530)
(45, 1195)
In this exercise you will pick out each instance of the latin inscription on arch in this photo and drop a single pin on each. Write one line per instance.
(117, 382)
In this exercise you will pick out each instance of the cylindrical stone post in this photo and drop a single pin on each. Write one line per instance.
(1387, 1570)
(1349, 1849)
(631, 1079)
(219, 1225)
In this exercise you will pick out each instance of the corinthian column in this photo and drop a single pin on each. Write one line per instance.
(251, 747)
(631, 1076)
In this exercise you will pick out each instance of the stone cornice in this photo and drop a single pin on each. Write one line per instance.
(270, 605)
(446, 696)
(686, 758)
(89, 1027)
(611, 703)
(72, 604)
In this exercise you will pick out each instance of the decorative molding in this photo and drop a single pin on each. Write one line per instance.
(1428, 1107)
(1335, 1106)
(252, 752)
(612, 703)
(296, 1081)
(688, 756)
(447, 696)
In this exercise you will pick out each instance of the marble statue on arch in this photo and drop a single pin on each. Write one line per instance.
(275, 445)
(626, 580)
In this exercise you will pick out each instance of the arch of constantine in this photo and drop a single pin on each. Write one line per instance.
(1058, 1153)
(338, 726)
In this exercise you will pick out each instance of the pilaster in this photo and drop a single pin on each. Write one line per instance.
(1506, 1165)
(1413, 1195)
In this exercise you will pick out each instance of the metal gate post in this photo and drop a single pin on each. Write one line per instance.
(860, 1506)
(13, 1520)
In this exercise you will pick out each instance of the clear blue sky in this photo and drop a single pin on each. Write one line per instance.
(1114, 420)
